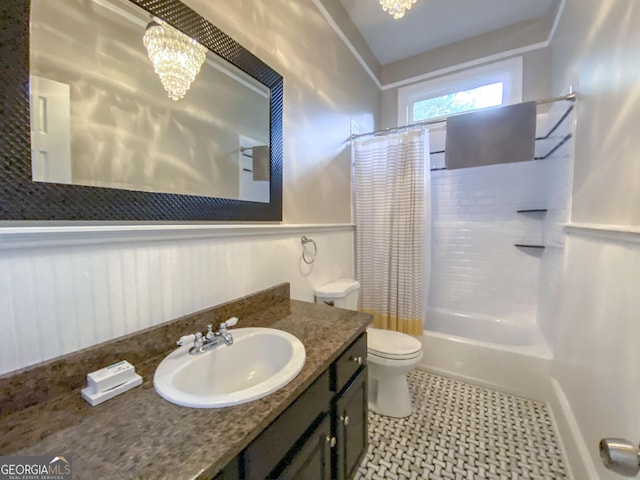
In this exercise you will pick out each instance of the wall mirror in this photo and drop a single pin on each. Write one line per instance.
(105, 140)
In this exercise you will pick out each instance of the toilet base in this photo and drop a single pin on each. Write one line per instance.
(388, 388)
(394, 400)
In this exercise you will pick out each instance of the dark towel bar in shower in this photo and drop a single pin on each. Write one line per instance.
(564, 140)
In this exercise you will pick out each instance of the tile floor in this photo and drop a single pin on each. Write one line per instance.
(461, 431)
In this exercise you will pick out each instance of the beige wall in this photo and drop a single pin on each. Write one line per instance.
(324, 89)
(389, 108)
(596, 52)
(536, 85)
(496, 42)
(340, 16)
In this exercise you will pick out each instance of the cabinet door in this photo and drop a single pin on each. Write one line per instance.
(312, 460)
(350, 428)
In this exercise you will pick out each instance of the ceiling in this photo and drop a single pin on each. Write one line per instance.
(435, 23)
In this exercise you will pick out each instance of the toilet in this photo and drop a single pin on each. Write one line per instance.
(390, 355)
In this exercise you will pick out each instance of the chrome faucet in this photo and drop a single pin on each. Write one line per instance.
(211, 339)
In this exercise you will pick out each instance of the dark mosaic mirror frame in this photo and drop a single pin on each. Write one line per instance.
(22, 199)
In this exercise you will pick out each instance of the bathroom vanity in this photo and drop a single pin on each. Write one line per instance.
(322, 435)
(313, 427)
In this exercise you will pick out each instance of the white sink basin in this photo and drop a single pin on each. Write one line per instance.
(259, 362)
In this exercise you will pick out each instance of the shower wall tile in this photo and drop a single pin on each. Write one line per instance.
(475, 267)
(58, 300)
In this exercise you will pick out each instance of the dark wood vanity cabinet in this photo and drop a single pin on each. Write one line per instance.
(322, 435)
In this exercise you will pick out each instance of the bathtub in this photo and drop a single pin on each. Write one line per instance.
(488, 331)
(488, 351)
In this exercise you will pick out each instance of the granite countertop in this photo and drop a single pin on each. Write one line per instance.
(138, 434)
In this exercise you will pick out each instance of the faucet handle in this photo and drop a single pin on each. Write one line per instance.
(198, 342)
(229, 323)
(210, 333)
(185, 339)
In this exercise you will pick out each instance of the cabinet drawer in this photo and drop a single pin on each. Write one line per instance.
(266, 451)
(346, 366)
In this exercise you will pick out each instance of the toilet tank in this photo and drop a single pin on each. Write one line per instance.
(342, 293)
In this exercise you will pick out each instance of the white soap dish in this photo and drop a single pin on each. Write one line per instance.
(110, 381)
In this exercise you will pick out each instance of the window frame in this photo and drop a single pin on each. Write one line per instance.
(509, 72)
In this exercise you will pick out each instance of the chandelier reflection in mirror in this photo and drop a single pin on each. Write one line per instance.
(396, 8)
(176, 58)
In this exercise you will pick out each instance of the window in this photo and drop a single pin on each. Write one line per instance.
(487, 86)
(463, 101)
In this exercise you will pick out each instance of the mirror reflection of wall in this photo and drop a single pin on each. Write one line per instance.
(118, 128)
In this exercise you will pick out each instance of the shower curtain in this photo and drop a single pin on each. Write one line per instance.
(393, 211)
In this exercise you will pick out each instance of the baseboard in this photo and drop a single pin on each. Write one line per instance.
(576, 449)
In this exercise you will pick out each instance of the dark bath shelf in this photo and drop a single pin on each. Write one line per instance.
(527, 245)
(533, 210)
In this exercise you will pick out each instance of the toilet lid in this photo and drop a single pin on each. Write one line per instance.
(390, 344)
(338, 288)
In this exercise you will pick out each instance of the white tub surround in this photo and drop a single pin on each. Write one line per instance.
(479, 214)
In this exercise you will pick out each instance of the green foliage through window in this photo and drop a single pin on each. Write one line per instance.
(473, 99)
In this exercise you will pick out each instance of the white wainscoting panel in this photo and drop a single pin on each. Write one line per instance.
(58, 299)
(596, 333)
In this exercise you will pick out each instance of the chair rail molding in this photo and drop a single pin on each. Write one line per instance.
(620, 233)
(17, 237)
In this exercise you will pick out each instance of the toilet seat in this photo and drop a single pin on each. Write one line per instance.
(392, 345)
(397, 365)
(390, 356)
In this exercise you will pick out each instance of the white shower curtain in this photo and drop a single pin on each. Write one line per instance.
(393, 211)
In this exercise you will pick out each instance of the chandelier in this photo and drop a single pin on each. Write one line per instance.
(396, 8)
(176, 58)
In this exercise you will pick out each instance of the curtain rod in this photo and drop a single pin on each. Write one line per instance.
(570, 97)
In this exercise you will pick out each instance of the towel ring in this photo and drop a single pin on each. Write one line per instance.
(304, 242)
